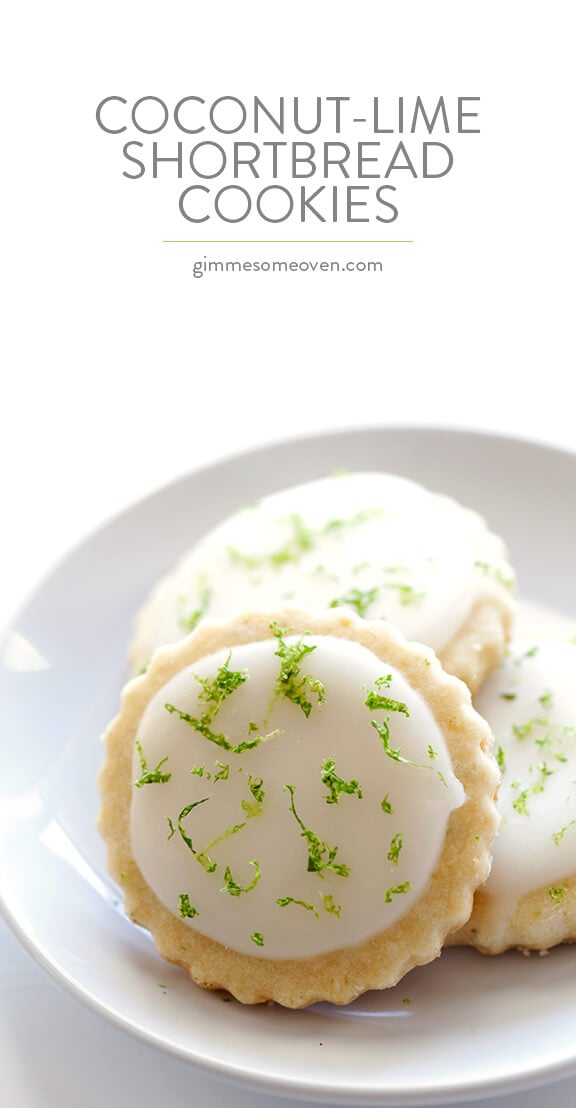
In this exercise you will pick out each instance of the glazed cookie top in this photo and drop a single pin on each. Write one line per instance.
(377, 544)
(530, 703)
(291, 796)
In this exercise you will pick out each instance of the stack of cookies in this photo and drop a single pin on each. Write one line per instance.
(299, 800)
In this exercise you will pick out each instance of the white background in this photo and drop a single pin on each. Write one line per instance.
(121, 371)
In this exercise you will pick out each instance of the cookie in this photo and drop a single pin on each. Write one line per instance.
(529, 900)
(379, 545)
(298, 806)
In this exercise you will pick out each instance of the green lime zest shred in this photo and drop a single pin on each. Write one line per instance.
(289, 683)
(187, 910)
(150, 777)
(231, 886)
(320, 856)
(337, 785)
(397, 890)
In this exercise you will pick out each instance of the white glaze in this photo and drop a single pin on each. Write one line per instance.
(428, 560)
(534, 693)
(536, 622)
(339, 728)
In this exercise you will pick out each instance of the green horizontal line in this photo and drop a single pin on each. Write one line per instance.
(326, 240)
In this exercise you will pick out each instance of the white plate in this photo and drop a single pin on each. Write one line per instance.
(474, 1026)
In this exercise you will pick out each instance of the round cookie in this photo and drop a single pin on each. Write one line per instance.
(529, 900)
(377, 544)
(299, 807)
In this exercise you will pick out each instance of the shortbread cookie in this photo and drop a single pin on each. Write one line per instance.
(374, 543)
(529, 900)
(299, 807)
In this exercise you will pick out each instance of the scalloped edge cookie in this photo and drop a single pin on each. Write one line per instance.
(539, 921)
(384, 959)
(475, 648)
